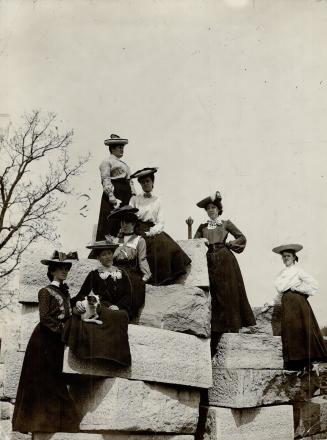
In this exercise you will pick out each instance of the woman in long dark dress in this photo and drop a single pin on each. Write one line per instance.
(230, 306)
(166, 258)
(131, 254)
(302, 340)
(108, 340)
(43, 402)
(117, 187)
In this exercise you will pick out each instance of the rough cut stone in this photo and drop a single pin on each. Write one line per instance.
(9, 341)
(249, 351)
(130, 405)
(268, 321)
(107, 436)
(6, 410)
(310, 417)
(197, 271)
(269, 423)
(250, 388)
(157, 356)
(13, 366)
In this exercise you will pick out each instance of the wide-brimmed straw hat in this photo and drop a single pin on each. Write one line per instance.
(115, 141)
(127, 213)
(214, 198)
(144, 172)
(287, 247)
(109, 243)
(61, 258)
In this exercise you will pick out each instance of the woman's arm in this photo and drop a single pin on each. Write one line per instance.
(108, 188)
(237, 245)
(124, 301)
(84, 291)
(46, 319)
(142, 260)
(308, 285)
(199, 232)
(159, 222)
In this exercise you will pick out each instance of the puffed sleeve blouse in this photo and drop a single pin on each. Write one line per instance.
(294, 278)
(111, 169)
(149, 210)
(54, 306)
(219, 234)
(134, 247)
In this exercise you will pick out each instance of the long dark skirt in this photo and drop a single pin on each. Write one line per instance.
(43, 402)
(138, 285)
(122, 191)
(301, 336)
(166, 258)
(230, 306)
(107, 341)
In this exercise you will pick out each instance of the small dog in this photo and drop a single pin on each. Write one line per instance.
(91, 303)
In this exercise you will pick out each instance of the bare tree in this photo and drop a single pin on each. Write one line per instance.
(35, 172)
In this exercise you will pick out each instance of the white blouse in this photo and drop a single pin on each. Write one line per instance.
(294, 278)
(149, 210)
(111, 169)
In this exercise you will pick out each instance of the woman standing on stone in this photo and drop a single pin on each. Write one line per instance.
(230, 306)
(166, 258)
(131, 254)
(43, 402)
(109, 339)
(117, 187)
(302, 340)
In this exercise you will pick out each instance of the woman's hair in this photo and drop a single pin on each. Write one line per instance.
(144, 177)
(296, 258)
(53, 266)
(99, 251)
(130, 218)
(218, 204)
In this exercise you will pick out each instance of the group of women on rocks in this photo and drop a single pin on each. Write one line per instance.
(132, 249)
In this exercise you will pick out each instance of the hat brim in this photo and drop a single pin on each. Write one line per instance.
(143, 173)
(48, 262)
(287, 247)
(95, 250)
(115, 142)
(205, 202)
(124, 215)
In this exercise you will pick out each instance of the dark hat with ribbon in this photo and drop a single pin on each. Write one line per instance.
(127, 213)
(144, 172)
(115, 141)
(214, 198)
(110, 242)
(287, 248)
(61, 258)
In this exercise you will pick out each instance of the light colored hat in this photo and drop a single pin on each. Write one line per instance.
(215, 198)
(61, 258)
(115, 140)
(287, 247)
(149, 171)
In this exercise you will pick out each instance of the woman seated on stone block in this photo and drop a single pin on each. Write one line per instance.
(230, 306)
(43, 402)
(166, 258)
(107, 339)
(303, 343)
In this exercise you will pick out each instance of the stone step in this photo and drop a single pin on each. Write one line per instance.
(157, 356)
(240, 388)
(131, 405)
(310, 417)
(268, 321)
(267, 423)
(106, 436)
(33, 274)
(13, 365)
(236, 350)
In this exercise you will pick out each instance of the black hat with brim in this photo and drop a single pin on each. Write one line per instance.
(287, 247)
(115, 141)
(61, 258)
(144, 172)
(99, 246)
(215, 199)
(126, 212)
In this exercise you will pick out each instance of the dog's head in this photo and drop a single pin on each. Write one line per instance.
(92, 298)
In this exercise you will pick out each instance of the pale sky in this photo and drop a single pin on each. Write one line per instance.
(220, 95)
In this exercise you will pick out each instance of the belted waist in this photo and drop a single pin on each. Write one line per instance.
(295, 291)
(215, 246)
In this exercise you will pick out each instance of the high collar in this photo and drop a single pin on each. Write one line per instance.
(55, 283)
(147, 195)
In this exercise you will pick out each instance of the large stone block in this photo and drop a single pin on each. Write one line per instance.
(130, 405)
(236, 350)
(250, 388)
(13, 365)
(269, 423)
(9, 340)
(106, 436)
(268, 321)
(197, 271)
(6, 410)
(157, 356)
(310, 417)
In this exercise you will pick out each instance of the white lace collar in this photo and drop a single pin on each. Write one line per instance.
(112, 272)
(212, 224)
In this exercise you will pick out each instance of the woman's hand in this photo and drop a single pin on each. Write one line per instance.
(79, 308)
(145, 278)
(113, 307)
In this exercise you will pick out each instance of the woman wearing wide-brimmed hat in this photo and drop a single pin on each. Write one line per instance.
(43, 402)
(301, 336)
(117, 187)
(131, 254)
(108, 340)
(230, 306)
(166, 258)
